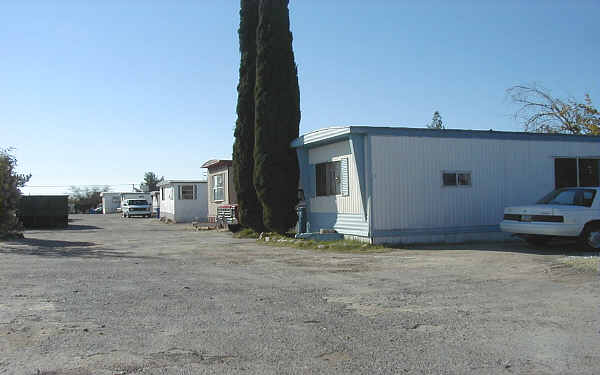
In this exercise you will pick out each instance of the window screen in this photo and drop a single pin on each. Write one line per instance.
(187, 192)
(328, 178)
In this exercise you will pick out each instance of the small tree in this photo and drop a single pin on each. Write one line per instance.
(83, 199)
(541, 112)
(436, 122)
(10, 182)
(151, 182)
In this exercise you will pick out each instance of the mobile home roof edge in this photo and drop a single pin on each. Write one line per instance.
(168, 182)
(214, 162)
(336, 133)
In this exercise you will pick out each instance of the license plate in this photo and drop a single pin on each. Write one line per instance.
(526, 218)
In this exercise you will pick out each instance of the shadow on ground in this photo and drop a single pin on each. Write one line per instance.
(558, 247)
(59, 249)
(82, 227)
(69, 227)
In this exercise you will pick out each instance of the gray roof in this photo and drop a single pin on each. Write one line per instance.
(335, 133)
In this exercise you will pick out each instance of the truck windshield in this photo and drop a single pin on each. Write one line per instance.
(137, 202)
(570, 197)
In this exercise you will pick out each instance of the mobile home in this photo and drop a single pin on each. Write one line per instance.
(183, 200)
(407, 185)
(155, 202)
(220, 186)
(110, 202)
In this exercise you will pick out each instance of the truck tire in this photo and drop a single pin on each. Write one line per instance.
(590, 237)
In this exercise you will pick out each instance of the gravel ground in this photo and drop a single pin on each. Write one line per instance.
(135, 296)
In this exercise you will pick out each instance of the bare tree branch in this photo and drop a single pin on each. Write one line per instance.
(540, 112)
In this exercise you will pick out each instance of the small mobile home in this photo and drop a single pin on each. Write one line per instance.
(110, 202)
(183, 200)
(407, 185)
(155, 202)
(220, 186)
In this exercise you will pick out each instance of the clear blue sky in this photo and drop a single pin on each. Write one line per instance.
(98, 92)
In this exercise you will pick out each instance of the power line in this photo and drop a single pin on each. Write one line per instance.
(68, 186)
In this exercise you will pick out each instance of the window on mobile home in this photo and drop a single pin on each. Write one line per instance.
(187, 192)
(328, 178)
(574, 172)
(456, 178)
(218, 187)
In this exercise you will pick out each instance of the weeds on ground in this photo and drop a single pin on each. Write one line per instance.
(246, 233)
(10, 236)
(346, 246)
(288, 240)
(583, 263)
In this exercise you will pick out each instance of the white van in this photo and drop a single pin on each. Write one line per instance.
(136, 207)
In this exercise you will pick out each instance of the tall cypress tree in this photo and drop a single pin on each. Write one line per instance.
(250, 209)
(277, 117)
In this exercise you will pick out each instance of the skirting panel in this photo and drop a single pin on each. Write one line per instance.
(441, 235)
(347, 224)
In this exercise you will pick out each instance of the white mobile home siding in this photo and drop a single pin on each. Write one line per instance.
(187, 210)
(400, 172)
(184, 210)
(408, 194)
(110, 202)
(350, 204)
(167, 202)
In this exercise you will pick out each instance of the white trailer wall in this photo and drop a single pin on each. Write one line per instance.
(411, 204)
(180, 210)
(187, 210)
(167, 202)
(110, 202)
(350, 204)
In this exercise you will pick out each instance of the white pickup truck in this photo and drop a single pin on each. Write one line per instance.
(568, 212)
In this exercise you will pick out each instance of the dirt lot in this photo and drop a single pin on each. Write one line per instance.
(134, 296)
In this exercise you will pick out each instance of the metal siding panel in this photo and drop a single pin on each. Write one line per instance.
(353, 224)
(344, 177)
(408, 191)
(349, 204)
